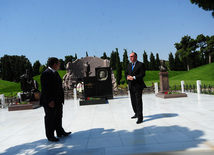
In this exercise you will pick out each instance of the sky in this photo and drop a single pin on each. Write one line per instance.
(40, 29)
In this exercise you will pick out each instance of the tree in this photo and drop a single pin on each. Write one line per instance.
(210, 48)
(118, 67)
(86, 54)
(104, 56)
(125, 59)
(207, 5)
(178, 64)
(42, 69)
(157, 63)
(14, 66)
(62, 64)
(113, 60)
(75, 58)
(145, 60)
(152, 62)
(185, 48)
(69, 58)
(6, 66)
(36, 67)
(171, 62)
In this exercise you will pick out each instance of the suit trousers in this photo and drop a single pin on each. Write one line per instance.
(137, 103)
(53, 121)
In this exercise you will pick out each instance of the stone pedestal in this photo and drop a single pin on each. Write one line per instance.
(164, 87)
(164, 82)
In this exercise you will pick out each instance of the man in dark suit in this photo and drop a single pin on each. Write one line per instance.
(135, 72)
(52, 99)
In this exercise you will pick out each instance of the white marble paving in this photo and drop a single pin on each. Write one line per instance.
(176, 124)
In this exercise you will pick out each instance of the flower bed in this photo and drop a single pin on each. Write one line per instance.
(24, 106)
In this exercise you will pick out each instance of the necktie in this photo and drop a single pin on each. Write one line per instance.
(132, 66)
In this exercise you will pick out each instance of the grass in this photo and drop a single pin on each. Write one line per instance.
(7, 87)
(204, 73)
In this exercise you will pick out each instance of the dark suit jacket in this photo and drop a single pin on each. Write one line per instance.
(51, 88)
(139, 73)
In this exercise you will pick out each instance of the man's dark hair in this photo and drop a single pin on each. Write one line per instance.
(135, 54)
(52, 61)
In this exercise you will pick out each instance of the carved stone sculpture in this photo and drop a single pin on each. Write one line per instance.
(85, 67)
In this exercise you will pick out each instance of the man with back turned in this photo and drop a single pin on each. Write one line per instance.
(52, 99)
(135, 72)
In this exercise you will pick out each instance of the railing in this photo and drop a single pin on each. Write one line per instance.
(204, 89)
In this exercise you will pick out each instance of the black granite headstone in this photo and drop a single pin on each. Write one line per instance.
(98, 89)
(104, 82)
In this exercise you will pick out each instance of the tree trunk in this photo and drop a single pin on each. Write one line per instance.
(210, 58)
(187, 67)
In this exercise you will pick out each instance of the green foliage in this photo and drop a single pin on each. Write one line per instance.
(113, 60)
(105, 56)
(15, 66)
(69, 58)
(157, 62)
(171, 62)
(207, 5)
(62, 64)
(185, 48)
(42, 69)
(152, 62)
(145, 60)
(125, 59)
(36, 67)
(118, 67)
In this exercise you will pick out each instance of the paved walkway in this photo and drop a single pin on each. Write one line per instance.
(179, 124)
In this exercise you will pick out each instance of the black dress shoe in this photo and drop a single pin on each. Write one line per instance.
(64, 134)
(135, 116)
(139, 121)
(54, 139)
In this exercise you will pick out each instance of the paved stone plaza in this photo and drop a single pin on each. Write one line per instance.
(176, 124)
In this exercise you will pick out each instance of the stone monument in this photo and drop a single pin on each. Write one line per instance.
(85, 67)
(164, 84)
(69, 79)
(98, 88)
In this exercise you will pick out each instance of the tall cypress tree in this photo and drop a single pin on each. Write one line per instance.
(104, 56)
(145, 60)
(125, 59)
(113, 60)
(178, 65)
(36, 67)
(171, 62)
(118, 67)
(152, 61)
(157, 62)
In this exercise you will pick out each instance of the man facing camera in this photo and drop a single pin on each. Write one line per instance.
(52, 99)
(135, 72)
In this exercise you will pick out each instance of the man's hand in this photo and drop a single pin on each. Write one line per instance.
(129, 77)
(51, 104)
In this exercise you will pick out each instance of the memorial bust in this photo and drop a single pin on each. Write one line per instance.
(163, 68)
